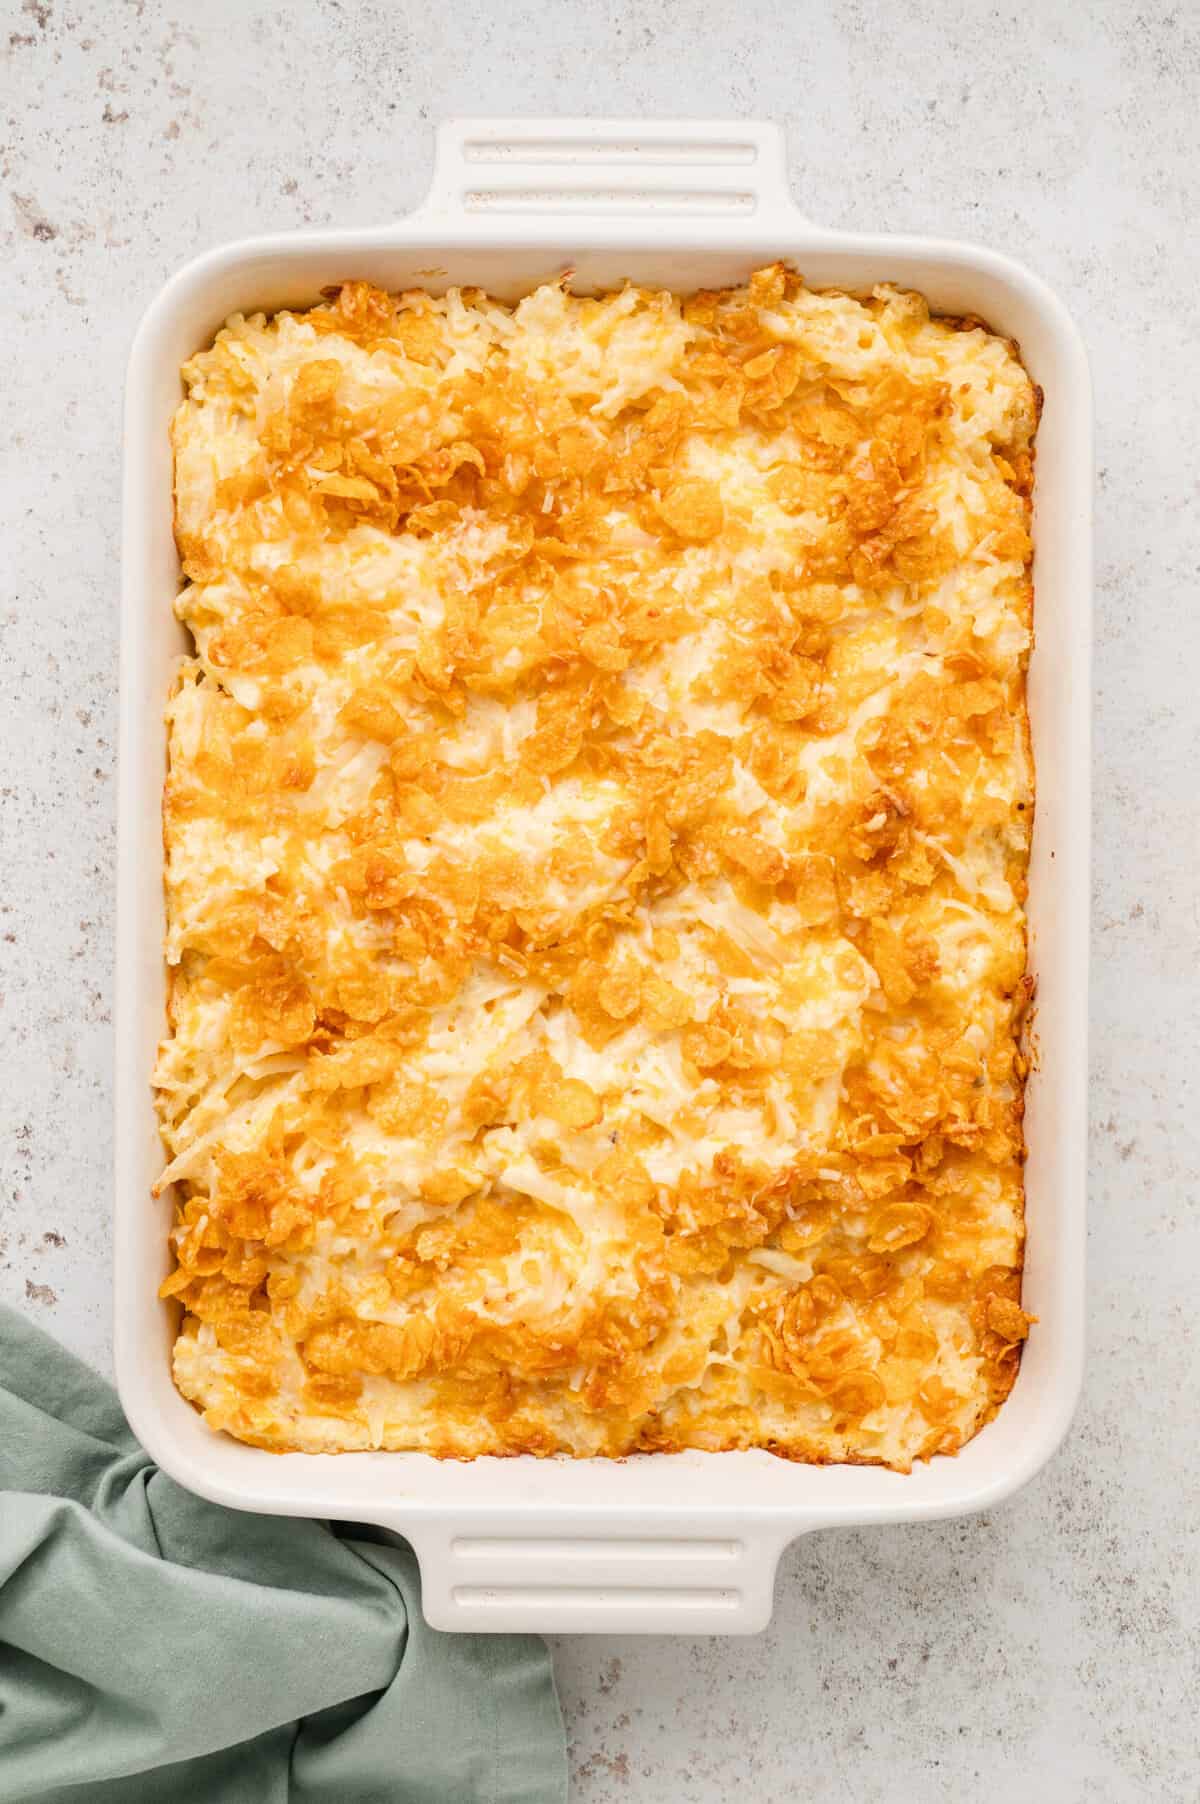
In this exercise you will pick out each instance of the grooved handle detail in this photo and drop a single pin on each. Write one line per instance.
(523, 166)
(610, 1582)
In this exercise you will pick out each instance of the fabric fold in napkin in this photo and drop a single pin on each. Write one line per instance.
(155, 1647)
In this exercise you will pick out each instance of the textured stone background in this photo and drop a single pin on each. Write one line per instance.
(1047, 1652)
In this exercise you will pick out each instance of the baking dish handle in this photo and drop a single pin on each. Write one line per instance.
(568, 1579)
(662, 168)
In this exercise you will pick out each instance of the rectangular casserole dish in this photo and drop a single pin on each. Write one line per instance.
(683, 1542)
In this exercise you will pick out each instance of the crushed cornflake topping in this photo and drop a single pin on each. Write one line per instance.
(597, 827)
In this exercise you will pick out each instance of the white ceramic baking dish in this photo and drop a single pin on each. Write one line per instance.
(685, 1542)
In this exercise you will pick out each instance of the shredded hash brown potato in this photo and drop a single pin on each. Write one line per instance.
(597, 826)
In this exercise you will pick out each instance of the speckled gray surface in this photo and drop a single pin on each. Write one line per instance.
(1046, 1652)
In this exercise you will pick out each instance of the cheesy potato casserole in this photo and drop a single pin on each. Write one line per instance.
(596, 828)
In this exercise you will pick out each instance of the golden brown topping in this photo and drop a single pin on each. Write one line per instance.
(1007, 1319)
(596, 823)
(693, 509)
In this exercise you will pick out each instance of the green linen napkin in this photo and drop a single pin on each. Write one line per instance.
(156, 1649)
